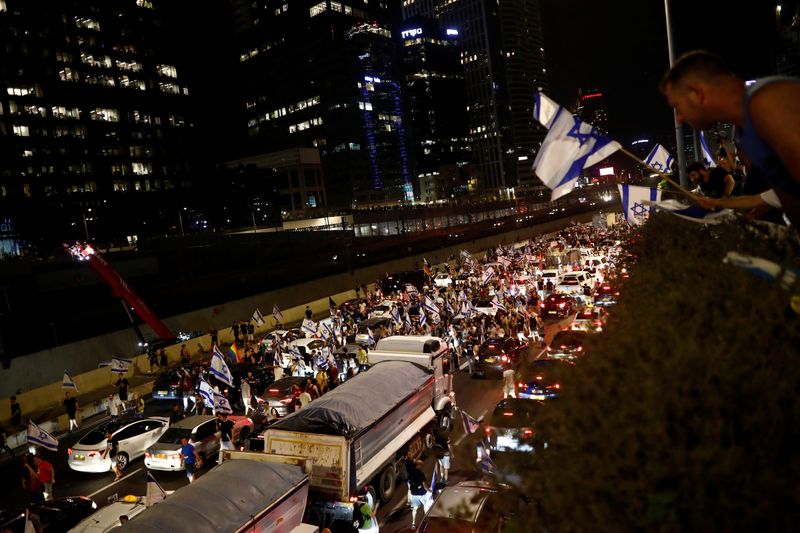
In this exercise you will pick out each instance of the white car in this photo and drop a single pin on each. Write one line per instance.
(134, 436)
(485, 307)
(574, 282)
(553, 275)
(443, 280)
(201, 430)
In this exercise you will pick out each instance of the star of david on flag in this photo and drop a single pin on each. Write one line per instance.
(571, 145)
(659, 159)
(40, 437)
(638, 202)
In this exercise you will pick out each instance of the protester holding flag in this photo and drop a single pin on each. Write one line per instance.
(122, 385)
(703, 90)
(71, 406)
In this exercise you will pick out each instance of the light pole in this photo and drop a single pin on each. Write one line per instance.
(180, 220)
(678, 129)
(85, 224)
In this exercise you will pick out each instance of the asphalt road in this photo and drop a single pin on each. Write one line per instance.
(475, 396)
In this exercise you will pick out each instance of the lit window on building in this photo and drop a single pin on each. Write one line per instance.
(87, 23)
(169, 88)
(147, 4)
(21, 131)
(131, 83)
(142, 169)
(167, 70)
(67, 74)
(104, 115)
(20, 90)
(132, 66)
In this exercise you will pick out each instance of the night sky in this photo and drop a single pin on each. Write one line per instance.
(620, 48)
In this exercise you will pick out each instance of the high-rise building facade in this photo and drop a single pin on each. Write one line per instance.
(94, 121)
(436, 109)
(591, 107)
(325, 74)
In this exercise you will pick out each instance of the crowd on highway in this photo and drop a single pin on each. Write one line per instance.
(490, 311)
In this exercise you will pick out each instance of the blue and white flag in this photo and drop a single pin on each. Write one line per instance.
(505, 261)
(68, 383)
(258, 318)
(295, 352)
(422, 318)
(276, 314)
(410, 289)
(219, 368)
(407, 320)
(430, 305)
(764, 268)
(485, 459)
(659, 159)
(324, 332)
(695, 213)
(708, 158)
(487, 275)
(638, 202)
(462, 297)
(497, 304)
(221, 404)
(571, 145)
(465, 310)
(155, 492)
(206, 392)
(436, 318)
(522, 311)
(395, 314)
(120, 364)
(449, 308)
(309, 327)
(471, 425)
(40, 437)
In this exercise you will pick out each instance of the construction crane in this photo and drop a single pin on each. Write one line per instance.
(120, 289)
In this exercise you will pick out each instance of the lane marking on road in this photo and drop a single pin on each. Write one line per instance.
(123, 478)
(462, 437)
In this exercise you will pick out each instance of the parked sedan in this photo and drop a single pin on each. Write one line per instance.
(497, 353)
(567, 345)
(278, 397)
(510, 427)
(590, 319)
(557, 305)
(133, 436)
(542, 379)
(167, 386)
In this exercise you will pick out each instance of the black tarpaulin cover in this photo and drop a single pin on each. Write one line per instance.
(360, 402)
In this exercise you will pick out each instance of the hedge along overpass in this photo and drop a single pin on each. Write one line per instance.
(36, 378)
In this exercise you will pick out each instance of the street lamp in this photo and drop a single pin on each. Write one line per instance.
(85, 224)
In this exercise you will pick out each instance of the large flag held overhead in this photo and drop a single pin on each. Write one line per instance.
(430, 305)
(155, 493)
(659, 159)
(571, 145)
(206, 392)
(68, 383)
(219, 369)
(695, 213)
(708, 159)
(487, 275)
(309, 327)
(221, 404)
(637, 202)
(120, 364)
(234, 353)
(276, 313)
(471, 425)
(258, 318)
(40, 437)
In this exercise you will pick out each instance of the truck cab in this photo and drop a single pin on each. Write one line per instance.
(430, 352)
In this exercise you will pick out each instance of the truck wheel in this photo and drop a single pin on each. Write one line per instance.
(386, 483)
(445, 422)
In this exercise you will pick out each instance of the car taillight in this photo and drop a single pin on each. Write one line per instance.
(541, 305)
(504, 358)
(506, 413)
(275, 391)
(561, 305)
(176, 455)
(522, 385)
(147, 454)
(488, 431)
(579, 349)
(92, 454)
(540, 377)
(287, 401)
(69, 451)
(556, 386)
(528, 433)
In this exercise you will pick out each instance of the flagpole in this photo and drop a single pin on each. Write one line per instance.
(667, 178)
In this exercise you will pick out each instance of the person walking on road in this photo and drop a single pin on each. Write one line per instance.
(46, 475)
(163, 362)
(112, 448)
(247, 396)
(225, 428)
(186, 357)
(190, 458)
(418, 490)
(16, 413)
(138, 405)
(509, 389)
(71, 406)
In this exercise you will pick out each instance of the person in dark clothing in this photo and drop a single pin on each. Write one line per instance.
(123, 385)
(163, 362)
(16, 413)
(225, 428)
(309, 313)
(235, 331)
(71, 406)
(714, 183)
(417, 489)
(112, 448)
(176, 415)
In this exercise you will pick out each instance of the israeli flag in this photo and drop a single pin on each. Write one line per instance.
(309, 327)
(505, 261)
(659, 159)
(430, 305)
(694, 213)
(68, 383)
(410, 289)
(497, 304)
(276, 314)
(571, 145)
(295, 351)
(219, 368)
(120, 364)
(324, 332)
(40, 437)
(396, 315)
(763, 268)
(471, 425)
(462, 297)
(422, 318)
(206, 392)
(638, 202)
(708, 159)
(221, 404)
(436, 318)
(465, 309)
(449, 308)
(487, 276)
(258, 318)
